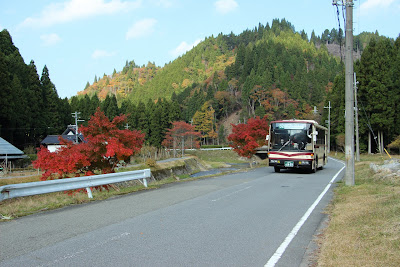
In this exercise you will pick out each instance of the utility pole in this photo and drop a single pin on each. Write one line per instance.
(315, 111)
(356, 119)
(349, 94)
(329, 126)
(76, 116)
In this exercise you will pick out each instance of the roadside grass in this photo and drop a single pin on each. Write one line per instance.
(364, 226)
(19, 180)
(17, 207)
(217, 158)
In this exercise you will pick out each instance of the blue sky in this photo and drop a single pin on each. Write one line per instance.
(78, 39)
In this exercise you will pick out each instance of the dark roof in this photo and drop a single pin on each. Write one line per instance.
(9, 149)
(69, 131)
(13, 157)
(54, 139)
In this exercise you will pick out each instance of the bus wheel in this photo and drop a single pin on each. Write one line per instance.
(314, 166)
(323, 163)
(277, 169)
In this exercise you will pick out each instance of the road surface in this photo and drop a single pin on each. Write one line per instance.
(241, 219)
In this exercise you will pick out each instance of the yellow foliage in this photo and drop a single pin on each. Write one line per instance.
(175, 85)
(142, 81)
(186, 83)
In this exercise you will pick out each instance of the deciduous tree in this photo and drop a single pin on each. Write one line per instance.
(181, 135)
(245, 138)
(105, 145)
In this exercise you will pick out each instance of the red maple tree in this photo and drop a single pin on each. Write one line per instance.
(181, 134)
(104, 147)
(245, 138)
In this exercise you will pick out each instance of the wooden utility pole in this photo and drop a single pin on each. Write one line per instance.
(76, 116)
(356, 119)
(329, 126)
(349, 96)
(349, 93)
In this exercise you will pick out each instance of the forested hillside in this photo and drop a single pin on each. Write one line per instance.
(378, 76)
(29, 105)
(270, 71)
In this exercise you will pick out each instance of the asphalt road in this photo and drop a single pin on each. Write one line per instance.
(242, 219)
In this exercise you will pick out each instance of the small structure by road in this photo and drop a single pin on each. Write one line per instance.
(8, 155)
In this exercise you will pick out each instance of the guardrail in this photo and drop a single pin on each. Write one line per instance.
(43, 187)
(217, 148)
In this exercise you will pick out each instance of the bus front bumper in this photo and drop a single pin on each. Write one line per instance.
(287, 164)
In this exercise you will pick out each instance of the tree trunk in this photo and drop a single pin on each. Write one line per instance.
(369, 142)
(379, 142)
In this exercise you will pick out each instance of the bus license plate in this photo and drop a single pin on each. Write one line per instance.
(289, 164)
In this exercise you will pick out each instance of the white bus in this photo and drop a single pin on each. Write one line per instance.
(297, 144)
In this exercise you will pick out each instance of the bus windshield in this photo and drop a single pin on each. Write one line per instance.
(293, 136)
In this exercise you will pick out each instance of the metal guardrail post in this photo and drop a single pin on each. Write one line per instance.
(89, 192)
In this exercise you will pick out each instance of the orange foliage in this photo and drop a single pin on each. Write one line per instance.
(186, 83)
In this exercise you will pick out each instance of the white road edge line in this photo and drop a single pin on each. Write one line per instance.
(279, 252)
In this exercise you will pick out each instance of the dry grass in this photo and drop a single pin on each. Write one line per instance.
(17, 207)
(364, 227)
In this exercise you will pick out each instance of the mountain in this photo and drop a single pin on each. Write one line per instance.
(210, 57)
(270, 71)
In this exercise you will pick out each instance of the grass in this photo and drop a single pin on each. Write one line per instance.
(217, 158)
(17, 207)
(364, 227)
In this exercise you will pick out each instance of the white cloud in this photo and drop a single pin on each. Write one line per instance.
(77, 9)
(183, 47)
(163, 3)
(225, 6)
(141, 28)
(375, 5)
(98, 53)
(50, 39)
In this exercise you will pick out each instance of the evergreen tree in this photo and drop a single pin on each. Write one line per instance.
(51, 104)
(94, 104)
(396, 82)
(142, 119)
(155, 125)
(376, 92)
(37, 121)
(110, 107)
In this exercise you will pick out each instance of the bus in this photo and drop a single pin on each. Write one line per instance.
(297, 144)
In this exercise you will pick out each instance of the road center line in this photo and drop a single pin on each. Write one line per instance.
(281, 249)
(228, 195)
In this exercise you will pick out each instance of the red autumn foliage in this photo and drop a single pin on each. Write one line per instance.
(246, 138)
(105, 145)
(182, 131)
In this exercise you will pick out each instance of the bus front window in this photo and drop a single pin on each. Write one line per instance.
(290, 136)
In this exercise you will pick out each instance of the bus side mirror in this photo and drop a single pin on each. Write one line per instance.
(267, 137)
(315, 136)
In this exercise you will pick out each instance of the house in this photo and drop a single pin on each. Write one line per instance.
(52, 142)
(8, 154)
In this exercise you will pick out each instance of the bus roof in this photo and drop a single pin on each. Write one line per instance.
(301, 121)
(294, 120)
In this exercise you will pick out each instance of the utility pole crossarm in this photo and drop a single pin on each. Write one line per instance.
(76, 116)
